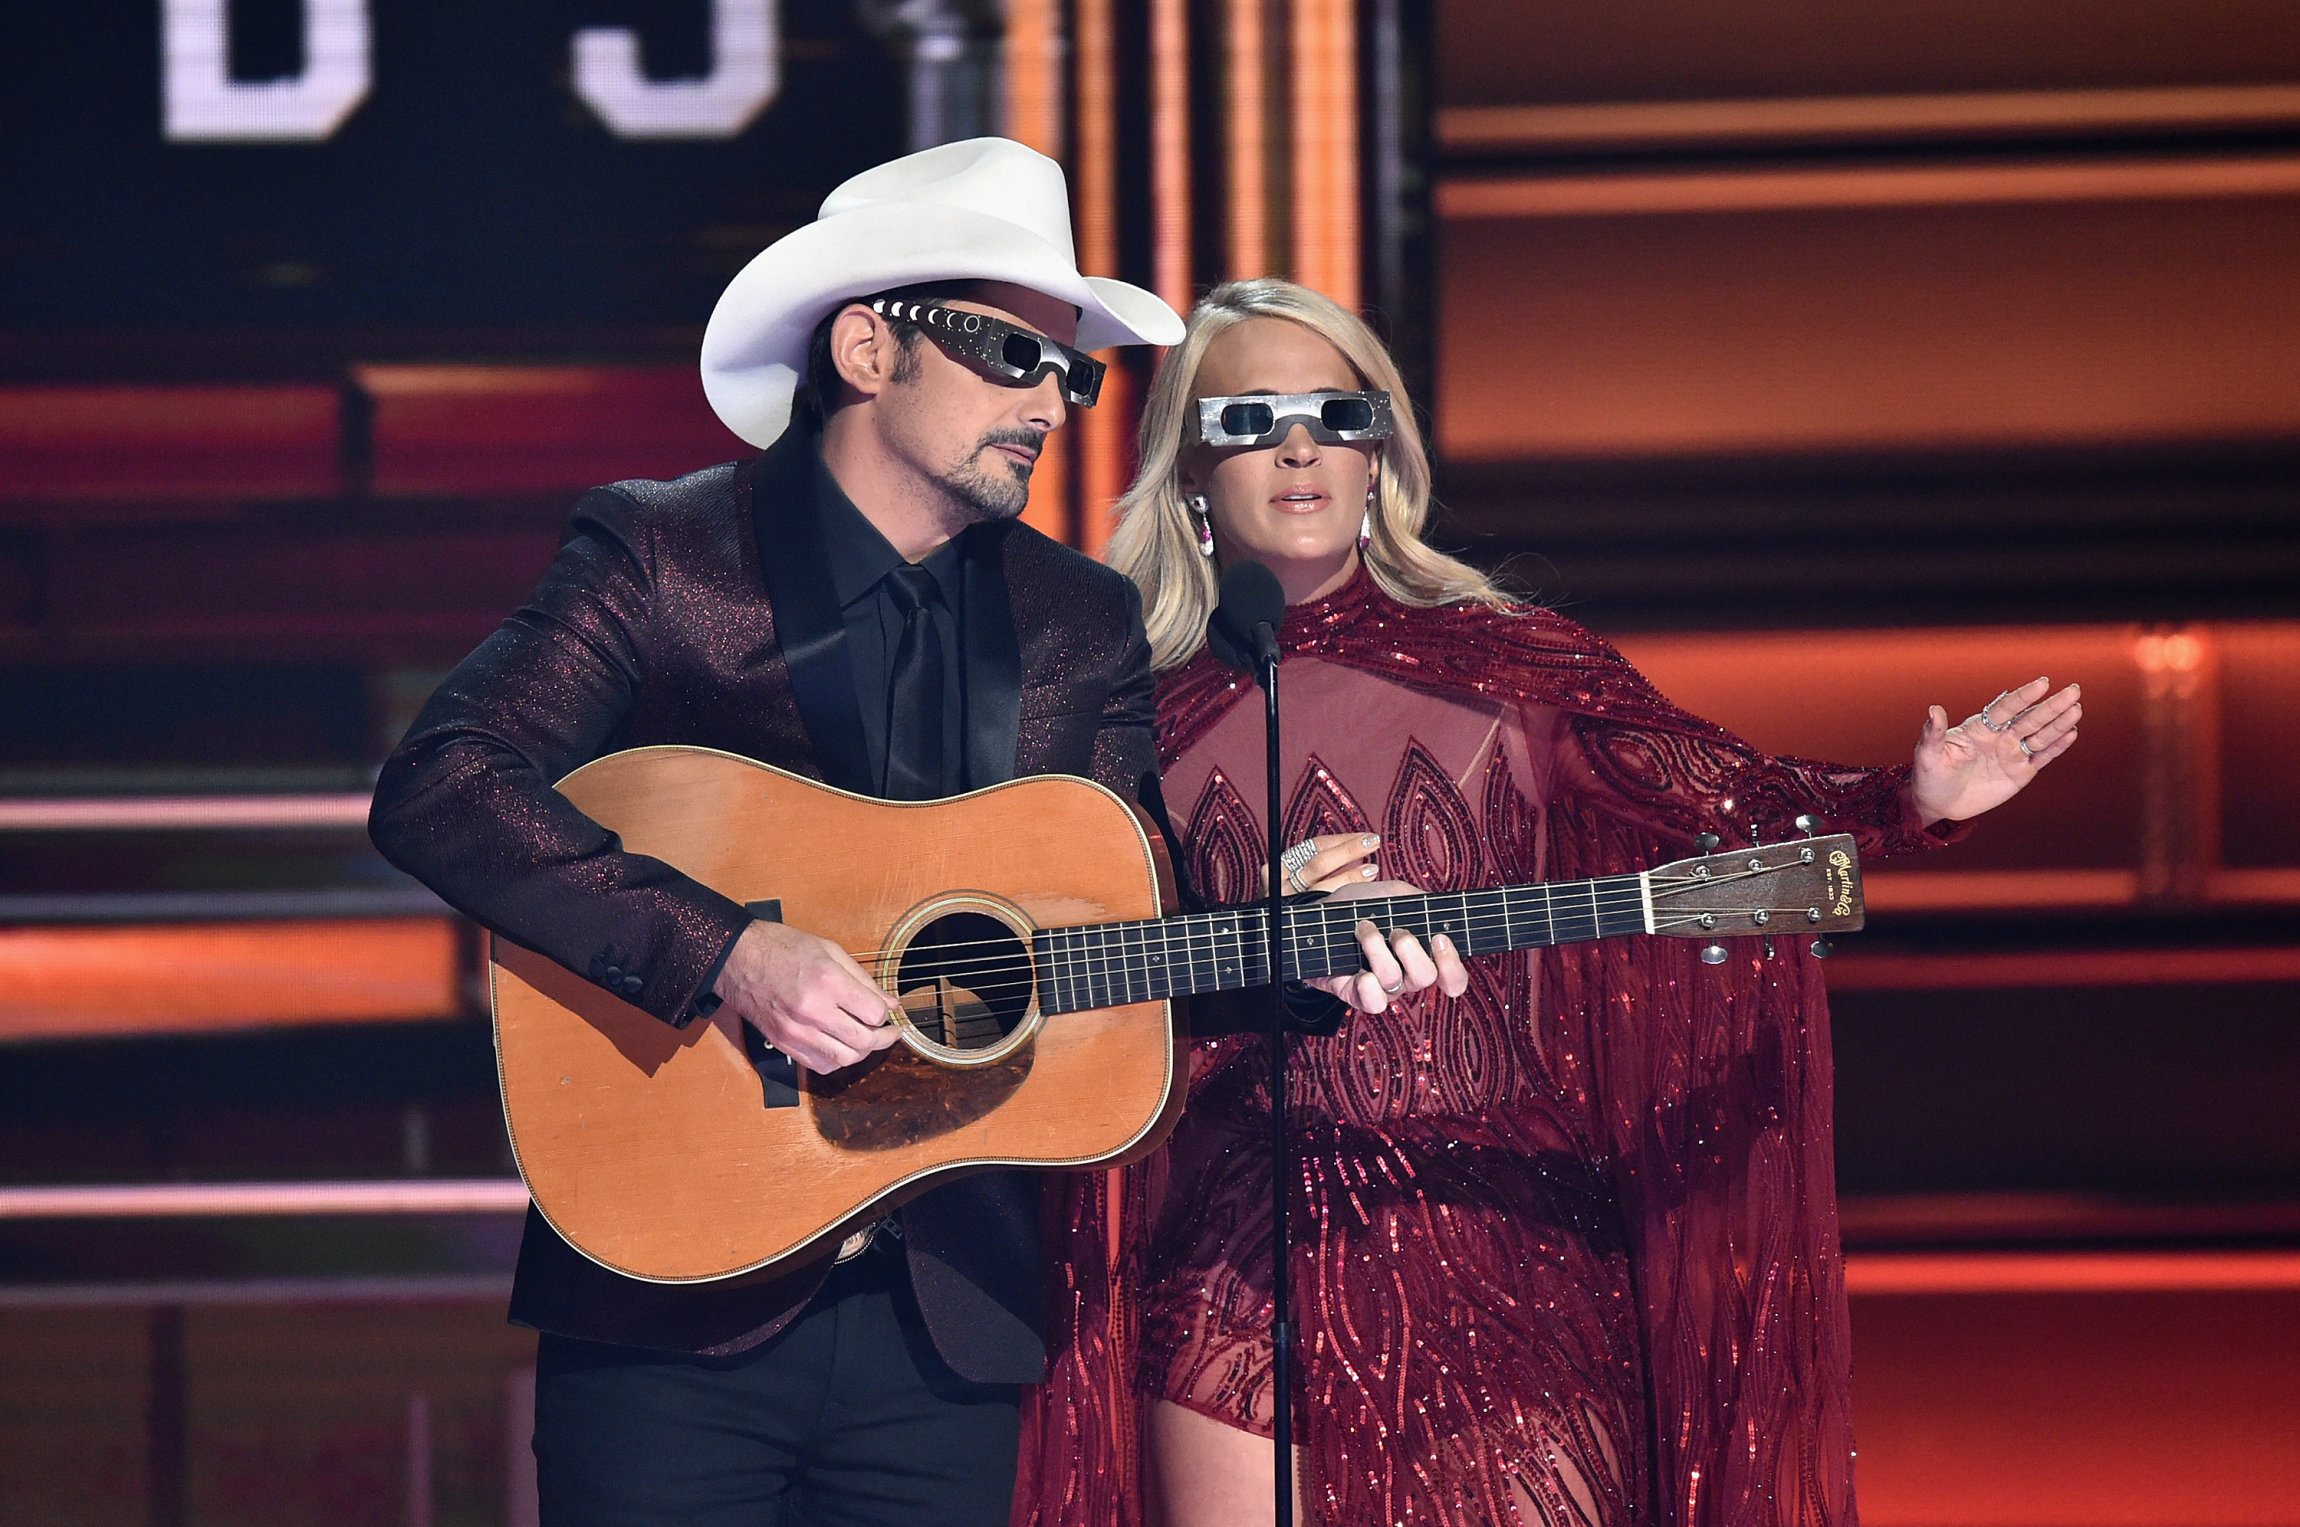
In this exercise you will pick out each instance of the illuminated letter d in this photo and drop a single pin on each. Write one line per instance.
(204, 103)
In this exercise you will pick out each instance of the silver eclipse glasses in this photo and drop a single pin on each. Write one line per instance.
(998, 350)
(1333, 418)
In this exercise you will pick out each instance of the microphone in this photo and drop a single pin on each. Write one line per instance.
(1244, 628)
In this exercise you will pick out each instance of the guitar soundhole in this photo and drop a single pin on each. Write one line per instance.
(965, 981)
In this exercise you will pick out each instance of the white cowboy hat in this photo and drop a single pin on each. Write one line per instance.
(987, 209)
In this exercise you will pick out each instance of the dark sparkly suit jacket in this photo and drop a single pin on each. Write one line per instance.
(699, 611)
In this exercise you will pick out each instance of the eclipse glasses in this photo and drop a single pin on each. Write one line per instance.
(1000, 351)
(1333, 418)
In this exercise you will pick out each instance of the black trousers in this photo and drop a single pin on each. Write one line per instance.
(847, 1418)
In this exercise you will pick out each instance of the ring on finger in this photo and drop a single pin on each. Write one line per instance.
(1394, 990)
(2025, 750)
(1998, 726)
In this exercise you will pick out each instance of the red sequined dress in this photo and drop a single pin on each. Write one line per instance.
(1565, 1246)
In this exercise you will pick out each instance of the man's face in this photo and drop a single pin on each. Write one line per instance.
(975, 437)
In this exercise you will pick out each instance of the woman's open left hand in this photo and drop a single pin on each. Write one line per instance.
(1986, 759)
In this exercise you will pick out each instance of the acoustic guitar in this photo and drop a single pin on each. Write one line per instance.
(1023, 930)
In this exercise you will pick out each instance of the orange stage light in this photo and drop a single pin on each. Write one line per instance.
(1805, 190)
(1035, 92)
(82, 444)
(176, 813)
(1170, 152)
(2109, 1390)
(1246, 156)
(1094, 184)
(538, 429)
(1861, 971)
(2069, 1272)
(1099, 434)
(197, 1200)
(1325, 148)
(1105, 444)
(80, 982)
(1864, 119)
(1034, 75)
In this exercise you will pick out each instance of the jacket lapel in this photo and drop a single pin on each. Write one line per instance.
(807, 622)
(993, 661)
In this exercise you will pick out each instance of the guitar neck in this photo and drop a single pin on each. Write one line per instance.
(1113, 964)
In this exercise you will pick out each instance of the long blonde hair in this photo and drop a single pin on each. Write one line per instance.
(1156, 542)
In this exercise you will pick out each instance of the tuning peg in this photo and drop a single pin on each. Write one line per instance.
(1822, 949)
(1707, 842)
(1807, 825)
(1712, 954)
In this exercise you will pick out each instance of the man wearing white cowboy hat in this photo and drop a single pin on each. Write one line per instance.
(859, 604)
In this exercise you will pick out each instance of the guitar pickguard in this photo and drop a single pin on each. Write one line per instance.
(898, 1098)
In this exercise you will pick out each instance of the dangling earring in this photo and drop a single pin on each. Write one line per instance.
(1197, 503)
(1366, 525)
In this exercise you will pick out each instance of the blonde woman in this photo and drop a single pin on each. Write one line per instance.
(1566, 1241)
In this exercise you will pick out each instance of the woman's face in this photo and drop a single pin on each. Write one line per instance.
(1295, 506)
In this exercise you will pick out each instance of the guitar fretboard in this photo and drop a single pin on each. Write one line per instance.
(1112, 964)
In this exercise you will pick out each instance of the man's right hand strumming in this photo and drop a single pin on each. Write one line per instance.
(807, 995)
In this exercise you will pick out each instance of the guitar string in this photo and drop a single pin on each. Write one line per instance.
(1611, 898)
(971, 1028)
(1021, 984)
(966, 1031)
(1471, 932)
(1487, 919)
(1604, 898)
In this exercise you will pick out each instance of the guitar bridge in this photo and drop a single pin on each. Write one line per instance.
(778, 1075)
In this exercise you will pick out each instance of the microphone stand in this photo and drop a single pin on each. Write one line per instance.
(1281, 1145)
(1243, 632)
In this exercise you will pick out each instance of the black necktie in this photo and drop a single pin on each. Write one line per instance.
(914, 691)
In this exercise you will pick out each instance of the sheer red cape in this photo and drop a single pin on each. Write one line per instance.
(1707, 1093)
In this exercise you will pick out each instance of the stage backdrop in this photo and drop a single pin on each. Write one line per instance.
(394, 164)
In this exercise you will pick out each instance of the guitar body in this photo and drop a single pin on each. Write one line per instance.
(670, 1155)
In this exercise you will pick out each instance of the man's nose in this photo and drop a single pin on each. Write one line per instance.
(1044, 405)
(1298, 449)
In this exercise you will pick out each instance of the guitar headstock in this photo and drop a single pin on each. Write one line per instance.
(1811, 885)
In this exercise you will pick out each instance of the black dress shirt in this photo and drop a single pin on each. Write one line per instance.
(860, 558)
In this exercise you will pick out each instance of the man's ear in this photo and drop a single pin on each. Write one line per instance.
(863, 350)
